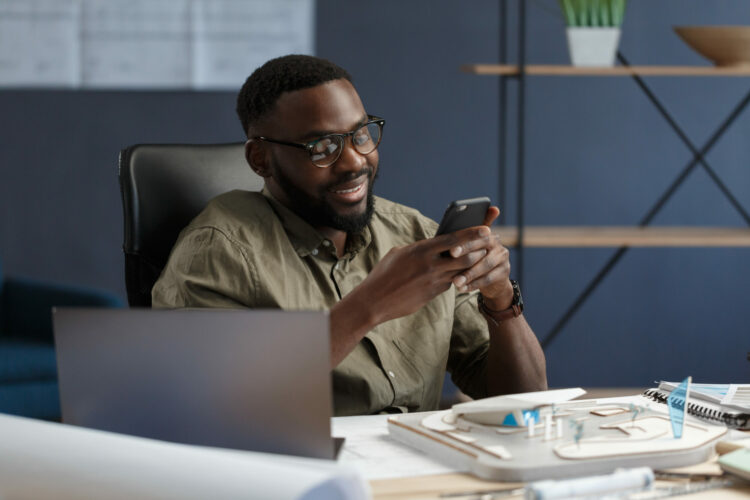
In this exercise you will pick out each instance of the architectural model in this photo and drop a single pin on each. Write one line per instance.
(540, 435)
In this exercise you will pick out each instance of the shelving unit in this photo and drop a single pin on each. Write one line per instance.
(623, 238)
(564, 70)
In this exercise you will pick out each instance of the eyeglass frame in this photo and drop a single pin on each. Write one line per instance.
(308, 146)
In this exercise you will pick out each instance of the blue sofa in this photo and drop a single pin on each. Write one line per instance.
(28, 369)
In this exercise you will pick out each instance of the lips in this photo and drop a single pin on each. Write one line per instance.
(350, 192)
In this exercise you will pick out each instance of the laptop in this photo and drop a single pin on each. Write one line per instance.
(247, 379)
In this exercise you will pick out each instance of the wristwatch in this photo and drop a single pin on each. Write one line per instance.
(515, 309)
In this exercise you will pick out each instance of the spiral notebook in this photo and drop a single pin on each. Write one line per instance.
(718, 403)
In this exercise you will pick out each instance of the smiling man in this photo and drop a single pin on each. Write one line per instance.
(401, 311)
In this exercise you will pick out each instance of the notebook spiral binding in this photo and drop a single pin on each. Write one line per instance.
(734, 420)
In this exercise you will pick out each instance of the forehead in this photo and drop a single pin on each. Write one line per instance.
(333, 106)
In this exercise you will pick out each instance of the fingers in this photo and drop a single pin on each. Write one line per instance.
(465, 261)
(451, 242)
(456, 243)
(482, 239)
(496, 277)
(492, 268)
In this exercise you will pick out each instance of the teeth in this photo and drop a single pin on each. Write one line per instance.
(350, 190)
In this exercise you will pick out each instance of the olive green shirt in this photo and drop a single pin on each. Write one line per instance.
(248, 250)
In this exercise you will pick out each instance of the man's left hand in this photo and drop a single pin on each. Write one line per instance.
(491, 274)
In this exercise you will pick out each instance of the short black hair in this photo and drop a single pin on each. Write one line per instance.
(284, 74)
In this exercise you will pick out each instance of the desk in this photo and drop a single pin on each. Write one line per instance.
(397, 472)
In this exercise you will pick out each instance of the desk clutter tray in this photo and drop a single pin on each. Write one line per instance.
(569, 439)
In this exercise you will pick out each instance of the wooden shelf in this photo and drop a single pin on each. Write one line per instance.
(616, 236)
(566, 70)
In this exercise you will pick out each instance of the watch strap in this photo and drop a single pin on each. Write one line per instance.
(495, 316)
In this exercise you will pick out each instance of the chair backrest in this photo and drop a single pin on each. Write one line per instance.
(163, 187)
(2, 300)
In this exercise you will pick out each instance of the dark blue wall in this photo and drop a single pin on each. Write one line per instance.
(597, 153)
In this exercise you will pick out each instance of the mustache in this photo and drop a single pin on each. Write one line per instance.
(366, 170)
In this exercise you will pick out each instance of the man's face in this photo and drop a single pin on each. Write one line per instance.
(339, 196)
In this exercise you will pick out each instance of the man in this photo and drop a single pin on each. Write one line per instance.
(401, 310)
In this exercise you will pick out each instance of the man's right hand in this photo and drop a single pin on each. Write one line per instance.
(410, 276)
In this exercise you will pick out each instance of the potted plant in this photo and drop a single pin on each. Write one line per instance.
(593, 30)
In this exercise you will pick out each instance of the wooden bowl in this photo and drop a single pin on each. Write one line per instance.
(724, 45)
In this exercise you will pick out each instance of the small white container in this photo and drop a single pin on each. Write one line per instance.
(593, 46)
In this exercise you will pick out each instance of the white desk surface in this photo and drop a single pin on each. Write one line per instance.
(369, 449)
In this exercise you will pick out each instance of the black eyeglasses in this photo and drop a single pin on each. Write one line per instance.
(324, 151)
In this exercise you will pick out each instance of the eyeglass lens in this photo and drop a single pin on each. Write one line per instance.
(328, 149)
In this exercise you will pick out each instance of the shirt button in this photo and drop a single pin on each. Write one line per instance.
(326, 243)
(315, 251)
(391, 374)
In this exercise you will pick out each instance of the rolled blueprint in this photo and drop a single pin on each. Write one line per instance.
(620, 480)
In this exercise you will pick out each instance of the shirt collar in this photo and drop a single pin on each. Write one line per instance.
(358, 241)
(306, 239)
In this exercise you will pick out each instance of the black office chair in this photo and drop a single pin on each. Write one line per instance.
(163, 187)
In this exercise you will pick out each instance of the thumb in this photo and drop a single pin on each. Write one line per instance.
(492, 214)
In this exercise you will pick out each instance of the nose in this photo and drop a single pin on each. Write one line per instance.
(350, 158)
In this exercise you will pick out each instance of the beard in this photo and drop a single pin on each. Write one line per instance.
(316, 210)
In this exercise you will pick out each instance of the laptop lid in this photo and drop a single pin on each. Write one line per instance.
(247, 379)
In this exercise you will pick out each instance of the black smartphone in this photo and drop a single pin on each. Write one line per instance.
(461, 214)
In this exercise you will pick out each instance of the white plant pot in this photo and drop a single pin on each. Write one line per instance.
(593, 46)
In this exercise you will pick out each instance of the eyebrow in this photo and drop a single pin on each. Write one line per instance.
(314, 134)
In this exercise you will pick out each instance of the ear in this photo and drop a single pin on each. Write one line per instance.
(256, 155)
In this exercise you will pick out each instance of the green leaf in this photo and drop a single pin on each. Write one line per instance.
(605, 13)
(620, 7)
(593, 13)
(568, 11)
